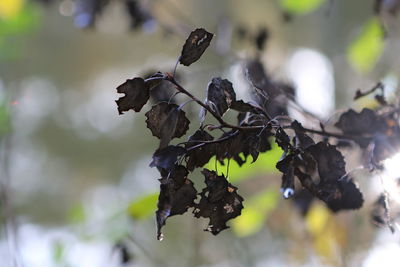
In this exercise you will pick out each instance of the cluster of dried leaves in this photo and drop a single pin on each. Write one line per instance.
(316, 162)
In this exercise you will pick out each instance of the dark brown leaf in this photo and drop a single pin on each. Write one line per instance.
(195, 45)
(177, 195)
(220, 95)
(166, 158)
(201, 155)
(167, 121)
(219, 201)
(302, 140)
(365, 122)
(136, 95)
(331, 164)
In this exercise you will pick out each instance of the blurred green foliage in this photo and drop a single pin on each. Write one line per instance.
(143, 207)
(256, 211)
(365, 50)
(17, 18)
(265, 164)
(300, 7)
(77, 214)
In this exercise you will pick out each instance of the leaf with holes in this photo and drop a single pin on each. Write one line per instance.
(177, 195)
(195, 45)
(219, 201)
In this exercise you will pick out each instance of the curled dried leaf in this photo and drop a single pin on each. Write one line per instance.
(177, 195)
(220, 95)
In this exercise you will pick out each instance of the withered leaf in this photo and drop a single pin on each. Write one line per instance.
(287, 186)
(177, 195)
(272, 95)
(220, 95)
(167, 121)
(246, 142)
(335, 188)
(219, 201)
(160, 89)
(195, 45)
(136, 95)
(200, 156)
(343, 195)
(167, 157)
(154, 83)
(365, 122)
(331, 164)
(302, 140)
(282, 139)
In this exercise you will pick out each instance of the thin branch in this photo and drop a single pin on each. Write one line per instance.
(329, 134)
(223, 123)
(203, 143)
(360, 94)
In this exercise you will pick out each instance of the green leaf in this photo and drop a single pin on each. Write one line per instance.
(364, 52)
(143, 207)
(265, 164)
(255, 213)
(300, 7)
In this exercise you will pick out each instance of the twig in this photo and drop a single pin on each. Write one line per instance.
(360, 94)
(223, 123)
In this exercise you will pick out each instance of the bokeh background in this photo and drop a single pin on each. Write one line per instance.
(76, 188)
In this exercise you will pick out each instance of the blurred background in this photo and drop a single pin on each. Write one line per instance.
(76, 186)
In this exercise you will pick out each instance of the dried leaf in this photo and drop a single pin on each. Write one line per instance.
(365, 122)
(167, 121)
(335, 188)
(302, 140)
(200, 156)
(136, 95)
(219, 201)
(282, 139)
(220, 95)
(195, 45)
(177, 195)
(167, 157)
